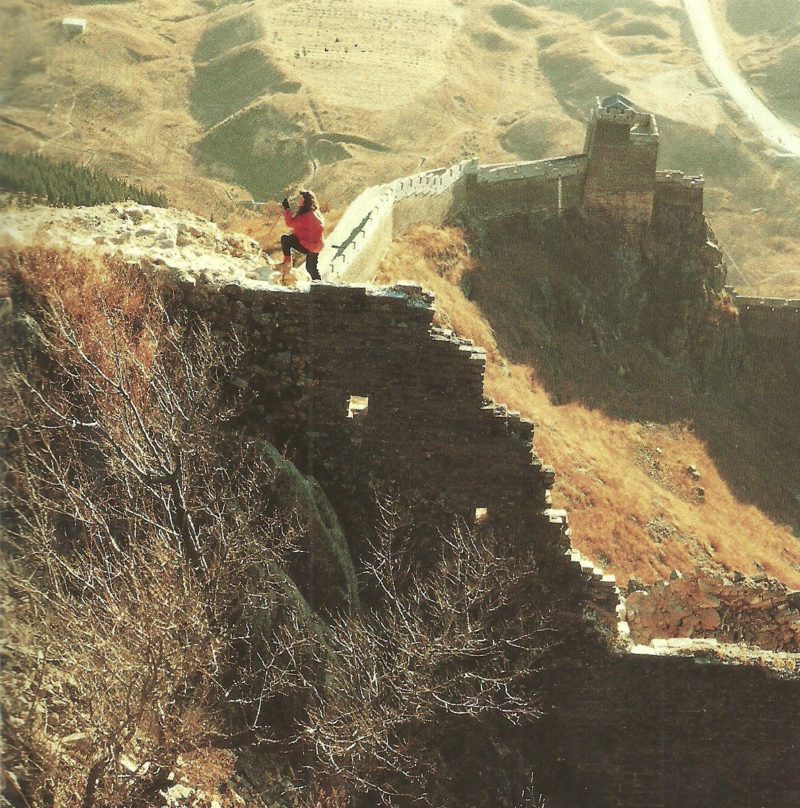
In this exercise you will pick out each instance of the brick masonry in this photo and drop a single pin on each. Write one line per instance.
(654, 728)
(657, 725)
(426, 422)
(629, 726)
(622, 151)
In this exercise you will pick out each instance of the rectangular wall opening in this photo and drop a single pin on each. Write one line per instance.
(357, 406)
(481, 515)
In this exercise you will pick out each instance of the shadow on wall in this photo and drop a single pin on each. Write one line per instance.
(548, 313)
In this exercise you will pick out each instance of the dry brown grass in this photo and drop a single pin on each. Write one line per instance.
(439, 259)
(118, 628)
(620, 480)
(104, 299)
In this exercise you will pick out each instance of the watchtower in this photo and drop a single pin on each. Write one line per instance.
(622, 149)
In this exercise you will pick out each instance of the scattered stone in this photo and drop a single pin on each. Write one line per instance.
(757, 611)
(709, 619)
(184, 242)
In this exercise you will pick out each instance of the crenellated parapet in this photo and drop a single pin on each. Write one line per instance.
(678, 191)
(363, 235)
(570, 166)
(772, 327)
(614, 179)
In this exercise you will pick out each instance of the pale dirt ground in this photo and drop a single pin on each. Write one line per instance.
(423, 83)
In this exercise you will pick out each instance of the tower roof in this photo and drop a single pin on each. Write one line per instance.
(617, 102)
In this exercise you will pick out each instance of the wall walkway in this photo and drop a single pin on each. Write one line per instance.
(364, 234)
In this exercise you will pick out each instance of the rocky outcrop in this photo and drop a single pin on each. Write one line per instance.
(140, 234)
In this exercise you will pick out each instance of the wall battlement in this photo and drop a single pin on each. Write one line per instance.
(680, 179)
(772, 328)
(673, 189)
(614, 178)
(553, 168)
(363, 235)
(609, 180)
(771, 304)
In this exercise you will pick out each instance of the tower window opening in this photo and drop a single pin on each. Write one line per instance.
(357, 406)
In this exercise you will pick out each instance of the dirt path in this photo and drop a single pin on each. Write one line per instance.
(774, 129)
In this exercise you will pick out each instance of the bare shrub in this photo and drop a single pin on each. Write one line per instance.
(463, 638)
(137, 528)
(148, 598)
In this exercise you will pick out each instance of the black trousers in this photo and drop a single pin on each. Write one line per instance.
(289, 242)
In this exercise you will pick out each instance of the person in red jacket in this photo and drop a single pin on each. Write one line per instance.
(306, 236)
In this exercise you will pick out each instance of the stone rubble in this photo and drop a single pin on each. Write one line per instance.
(157, 237)
(758, 611)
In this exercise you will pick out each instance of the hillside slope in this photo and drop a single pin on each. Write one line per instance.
(218, 102)
(188, 618)
(655, 476)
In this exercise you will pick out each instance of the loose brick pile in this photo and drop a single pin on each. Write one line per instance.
(757, 611)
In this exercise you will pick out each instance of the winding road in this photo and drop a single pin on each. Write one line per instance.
(780, 133)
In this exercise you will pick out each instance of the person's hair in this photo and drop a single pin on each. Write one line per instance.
(309, 201)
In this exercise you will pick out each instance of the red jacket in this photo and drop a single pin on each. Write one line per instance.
(308, 228)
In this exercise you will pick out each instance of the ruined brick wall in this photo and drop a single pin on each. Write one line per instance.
(426, 424)
(662, 730)
(622, 730)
